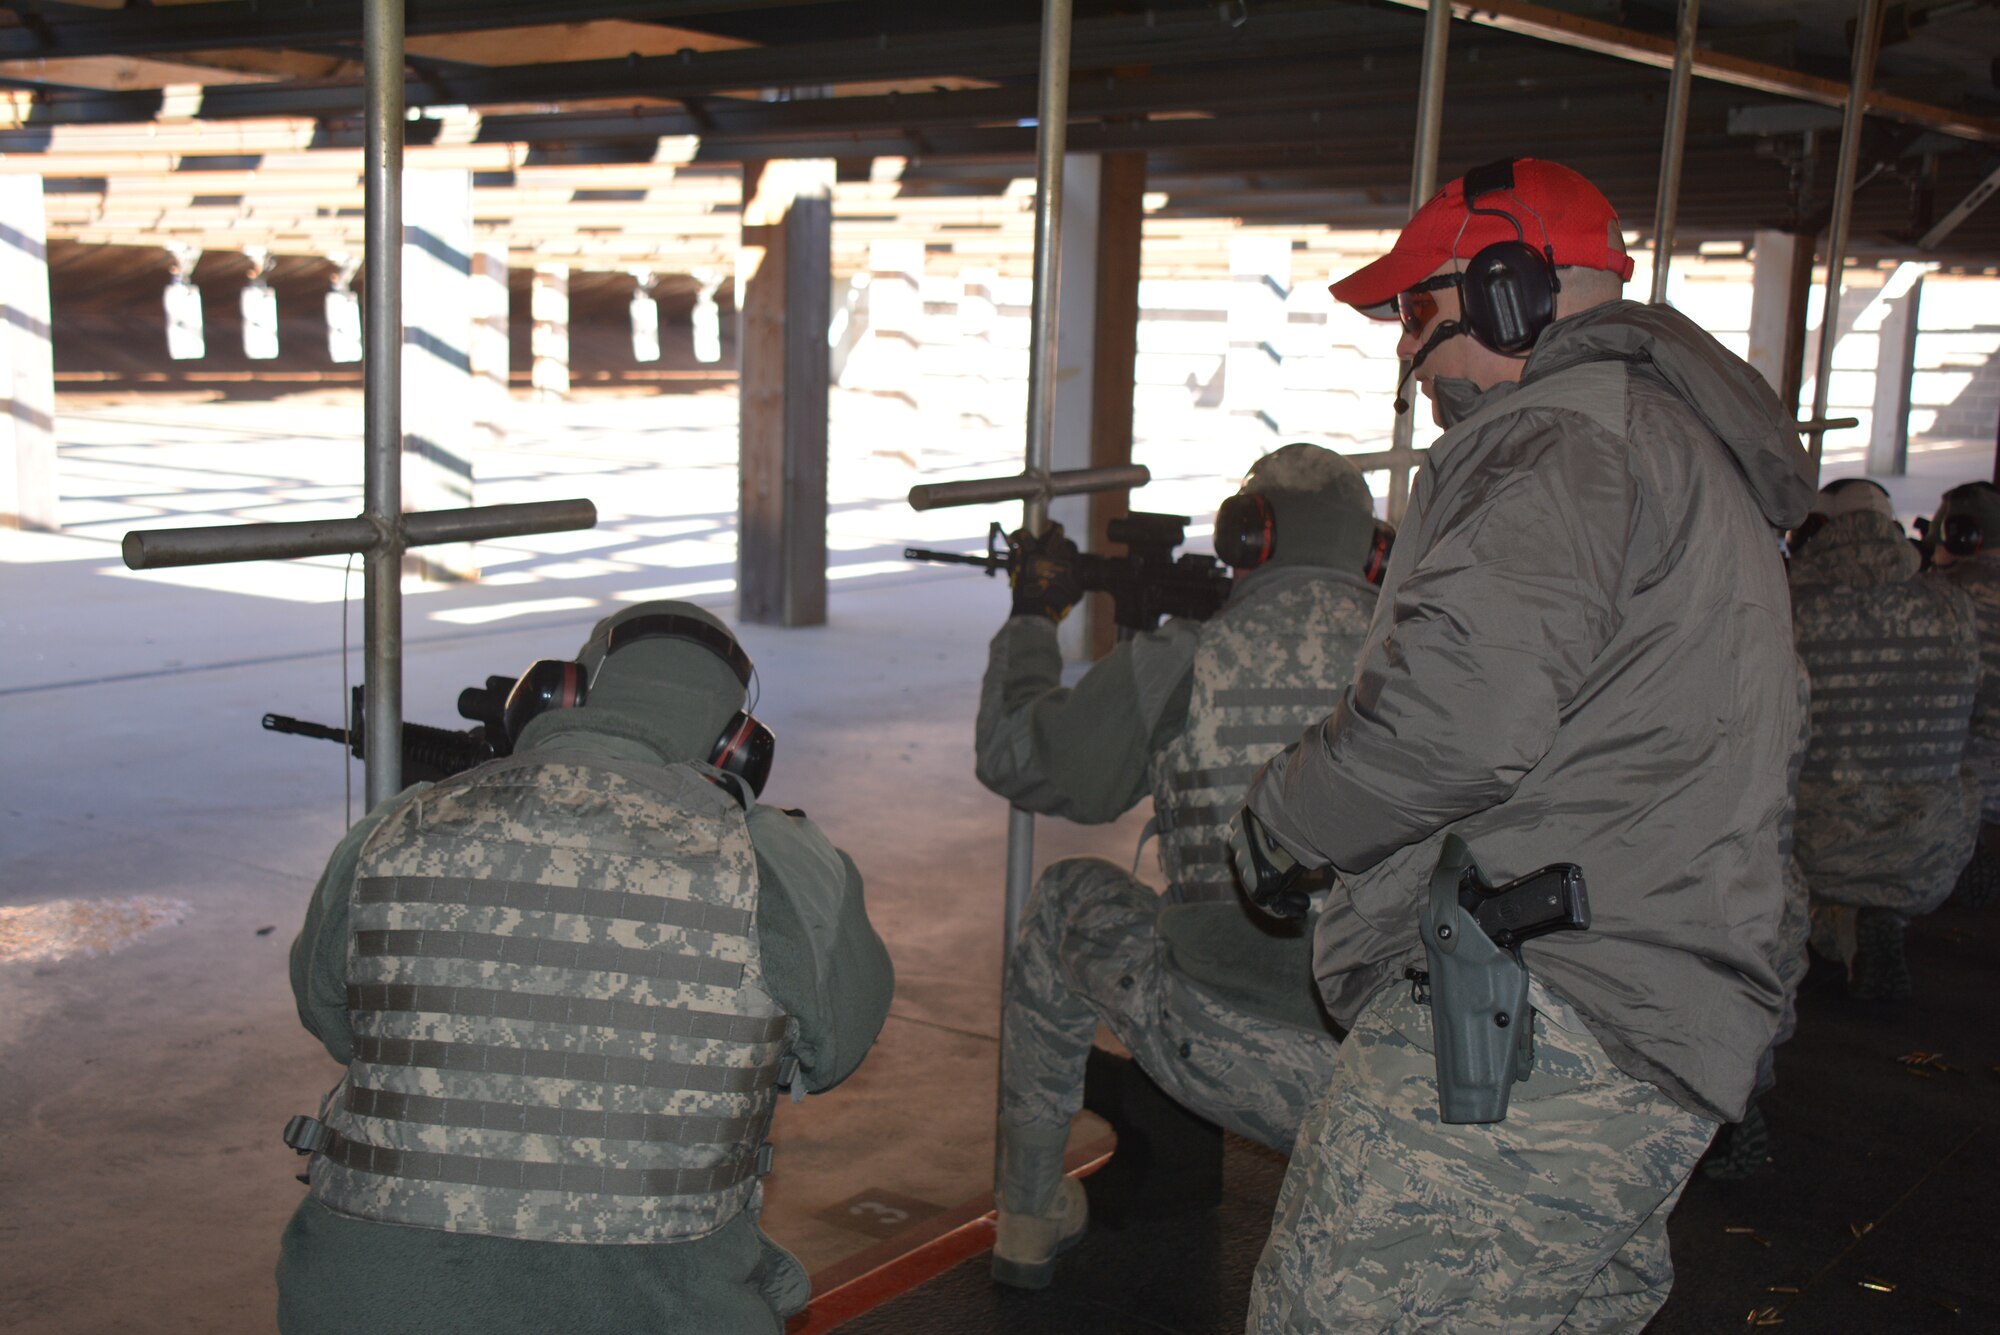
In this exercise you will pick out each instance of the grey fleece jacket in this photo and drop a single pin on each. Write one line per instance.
(1583, 652)
(823, 963)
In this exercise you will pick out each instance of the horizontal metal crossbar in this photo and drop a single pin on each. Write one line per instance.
(1024, 486)
(156, 549)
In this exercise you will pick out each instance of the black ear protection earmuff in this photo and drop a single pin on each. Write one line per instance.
(1246, 536)
(1963, 535)
(1958, 528)
(1507, 293)
(1246, 531)
(745, 747)
(1796, 540)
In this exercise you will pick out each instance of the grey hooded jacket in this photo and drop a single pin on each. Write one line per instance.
(1583, 653)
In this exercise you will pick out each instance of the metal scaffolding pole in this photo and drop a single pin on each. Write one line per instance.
(1423, 184)
(1036, 484)
(382, 532)
(1051, 139)
(1666, 206)
(382, 397)
(1867, 41)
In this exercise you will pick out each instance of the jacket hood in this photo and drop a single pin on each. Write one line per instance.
(672, 696)
(1856, 550)
(1722, 389)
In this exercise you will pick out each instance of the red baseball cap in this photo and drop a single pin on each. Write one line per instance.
(1555, 206)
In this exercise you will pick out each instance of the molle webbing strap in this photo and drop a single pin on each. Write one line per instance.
(530, 897)
(1278, 697)
(1877, 651)
(568, 1179)
(1213, 814)
(584, 1068)
(501, 1004)
(569, 1123)
(1274, 735)
(537, 952)
(1229, 776)
(1206, 856)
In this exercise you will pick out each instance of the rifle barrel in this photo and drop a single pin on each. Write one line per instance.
(301, 728)
(985, 563)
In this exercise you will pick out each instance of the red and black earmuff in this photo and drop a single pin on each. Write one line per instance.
(745, 747)
(1378, 553)
(1246, 536)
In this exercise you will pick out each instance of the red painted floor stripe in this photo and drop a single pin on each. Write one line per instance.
(894, 1278)
(898, 1277)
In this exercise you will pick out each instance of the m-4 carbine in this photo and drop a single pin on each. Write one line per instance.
(1147, 584)
(428, 753)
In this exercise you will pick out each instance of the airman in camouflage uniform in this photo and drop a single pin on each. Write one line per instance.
(567, 987)
(1975, 568)
(1217, 1009)
(1583, 653)
(1887, 813)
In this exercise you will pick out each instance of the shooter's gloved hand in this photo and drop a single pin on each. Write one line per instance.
(1271, 878)
(1043, 573)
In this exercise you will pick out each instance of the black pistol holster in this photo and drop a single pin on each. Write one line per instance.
(1482, 1025)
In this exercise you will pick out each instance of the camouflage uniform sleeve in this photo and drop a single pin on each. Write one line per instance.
(319, 953)
(1079, 752)
(822, 959)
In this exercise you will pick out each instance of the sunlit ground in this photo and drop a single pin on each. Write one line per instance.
(661, 472)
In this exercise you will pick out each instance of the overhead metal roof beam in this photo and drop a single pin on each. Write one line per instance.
(1582, 34)
(261, 23)
(1200, 37)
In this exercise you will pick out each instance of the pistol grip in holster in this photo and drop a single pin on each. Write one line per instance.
(1480, 1018)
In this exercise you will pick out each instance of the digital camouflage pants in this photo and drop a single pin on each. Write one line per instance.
(1553, 1220)
(1088, 952)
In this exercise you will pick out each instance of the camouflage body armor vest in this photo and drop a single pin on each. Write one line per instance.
(1272, 663)
(561, 1028)
(1980, 578)
(1893, 672)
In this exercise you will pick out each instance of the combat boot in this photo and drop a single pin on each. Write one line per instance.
(1041, 1213)
(1879, 971)
(1981, 877)
(1741, 1148)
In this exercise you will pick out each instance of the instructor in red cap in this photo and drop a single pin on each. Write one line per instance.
(1583, 654)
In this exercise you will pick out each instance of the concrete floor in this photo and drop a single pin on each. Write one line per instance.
(142, 1182)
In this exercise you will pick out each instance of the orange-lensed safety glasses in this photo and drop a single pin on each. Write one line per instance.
(1416, 307)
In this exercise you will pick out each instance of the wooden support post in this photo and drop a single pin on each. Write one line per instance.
(784, 288)
(548, 307)
(1120, 215)
(28, 491)
(1895, 368)
(438, 434)
(1781, 280)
